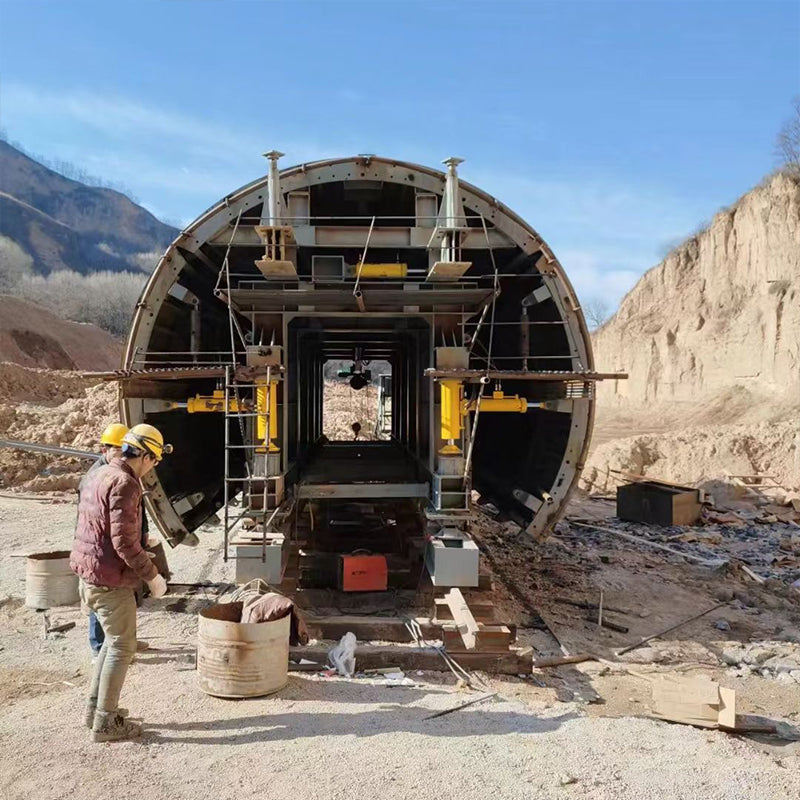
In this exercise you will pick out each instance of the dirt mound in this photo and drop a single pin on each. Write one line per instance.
(75, 422)
(35, 337)
(44, 386)
(700, 453)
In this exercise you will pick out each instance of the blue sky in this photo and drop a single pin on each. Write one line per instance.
(614, 128)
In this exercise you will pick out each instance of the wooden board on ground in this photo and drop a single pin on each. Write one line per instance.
(694, 701)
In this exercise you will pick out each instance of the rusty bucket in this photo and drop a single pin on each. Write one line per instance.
(49, 581)
(241, 659)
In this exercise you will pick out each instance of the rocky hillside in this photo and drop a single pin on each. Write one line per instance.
(49, 222)
(719, 317)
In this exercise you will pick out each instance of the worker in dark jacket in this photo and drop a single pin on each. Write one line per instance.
(108, 556)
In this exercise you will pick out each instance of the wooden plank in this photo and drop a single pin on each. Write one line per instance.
(494, 640)
(500, 636)
(747, 571)
(467, 626)
(448, 270)
(482, 610)
(512, 662)
(694, 701)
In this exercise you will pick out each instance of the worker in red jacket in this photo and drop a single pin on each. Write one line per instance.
(110, 447)
(108, 556)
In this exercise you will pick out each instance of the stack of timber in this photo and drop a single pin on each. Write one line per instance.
(468, 633)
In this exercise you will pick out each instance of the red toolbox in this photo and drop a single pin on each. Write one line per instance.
(364, 574)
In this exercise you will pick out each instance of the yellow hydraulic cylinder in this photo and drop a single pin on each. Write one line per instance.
(210, 403)
(267, 404)
(498, 402)
(451, 416)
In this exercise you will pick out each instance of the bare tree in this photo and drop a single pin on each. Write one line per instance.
(596, 311)
(15, 263)
(106, 299)
(787, 144)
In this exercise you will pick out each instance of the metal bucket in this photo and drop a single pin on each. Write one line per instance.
(49, 581)
(241, 659)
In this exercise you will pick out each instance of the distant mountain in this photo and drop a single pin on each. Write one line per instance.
(59, 223)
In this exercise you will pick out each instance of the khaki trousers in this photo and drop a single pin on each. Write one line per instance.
(116, 610)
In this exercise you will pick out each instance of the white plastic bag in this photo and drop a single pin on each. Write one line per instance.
(343, 655)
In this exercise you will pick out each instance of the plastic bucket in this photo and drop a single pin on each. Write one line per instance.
(241, 659)
(49, 581)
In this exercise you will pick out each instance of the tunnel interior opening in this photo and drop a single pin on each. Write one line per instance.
(356, 404)
(392, 347)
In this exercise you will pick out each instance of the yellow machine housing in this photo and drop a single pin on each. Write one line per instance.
(382, 270)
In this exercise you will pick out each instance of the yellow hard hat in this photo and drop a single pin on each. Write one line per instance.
(114, 434)
(148, 438)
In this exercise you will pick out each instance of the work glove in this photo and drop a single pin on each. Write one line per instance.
(152, 540)
(157, 586)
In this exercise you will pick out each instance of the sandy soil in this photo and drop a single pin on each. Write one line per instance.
(322, 738)
(342, 406)
(693, 449)
(52, 408)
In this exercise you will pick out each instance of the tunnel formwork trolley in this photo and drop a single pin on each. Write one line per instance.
(360, 259)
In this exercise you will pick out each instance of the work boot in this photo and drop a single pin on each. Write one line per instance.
(91, 710)
(111, 726)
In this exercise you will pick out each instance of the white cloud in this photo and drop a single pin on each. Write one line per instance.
(124, 119)
(174, 161)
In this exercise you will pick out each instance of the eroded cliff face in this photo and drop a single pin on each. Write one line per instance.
(711, 341)
(720, 315)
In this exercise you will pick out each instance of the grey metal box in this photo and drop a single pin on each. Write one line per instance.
(327, 268)
(453, 559)
(249, 565)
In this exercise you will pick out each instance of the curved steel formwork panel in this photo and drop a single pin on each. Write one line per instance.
(468, 279)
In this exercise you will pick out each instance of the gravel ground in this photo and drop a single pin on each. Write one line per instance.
(319, 738)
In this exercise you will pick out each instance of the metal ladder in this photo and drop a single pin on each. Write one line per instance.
(270, 516)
